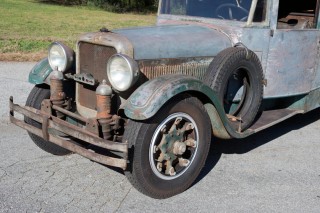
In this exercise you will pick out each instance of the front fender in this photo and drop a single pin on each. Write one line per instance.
(146, 101)
(152, 95)
(40, 72)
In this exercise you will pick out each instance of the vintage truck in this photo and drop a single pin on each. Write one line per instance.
(151, 100)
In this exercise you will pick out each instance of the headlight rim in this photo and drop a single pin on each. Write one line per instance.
(133, 71)
(68, 56)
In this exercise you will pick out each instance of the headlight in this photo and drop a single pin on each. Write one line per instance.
(60, 56)
(122, 72)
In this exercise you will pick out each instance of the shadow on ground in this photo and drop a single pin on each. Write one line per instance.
(241, 146)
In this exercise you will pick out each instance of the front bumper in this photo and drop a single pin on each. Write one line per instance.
(49, 121)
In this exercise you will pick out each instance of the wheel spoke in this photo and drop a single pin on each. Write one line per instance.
(173, 128)
(170, 170)
(161, 157)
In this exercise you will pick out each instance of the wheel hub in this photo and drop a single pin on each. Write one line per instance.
(179, 148)
(172, 155)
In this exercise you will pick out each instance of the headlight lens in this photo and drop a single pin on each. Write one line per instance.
(60, 56)
(122, 72)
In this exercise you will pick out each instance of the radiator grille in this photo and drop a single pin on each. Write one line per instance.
(93, 60)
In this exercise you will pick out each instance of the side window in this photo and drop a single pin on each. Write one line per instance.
(297, 14)
(261, 10)
(236, 10)
(239, 10)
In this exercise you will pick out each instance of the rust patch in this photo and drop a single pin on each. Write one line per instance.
(195, 67)
(92, 60)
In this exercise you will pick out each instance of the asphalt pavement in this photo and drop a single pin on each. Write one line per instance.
(277, 170)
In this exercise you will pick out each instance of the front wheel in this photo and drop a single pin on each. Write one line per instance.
(35, 98)
(170, 149)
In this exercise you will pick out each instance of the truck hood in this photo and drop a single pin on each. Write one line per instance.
(174, 41)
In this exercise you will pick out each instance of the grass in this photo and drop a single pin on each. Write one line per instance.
(28, 27)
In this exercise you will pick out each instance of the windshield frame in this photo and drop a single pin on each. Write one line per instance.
(263, 24)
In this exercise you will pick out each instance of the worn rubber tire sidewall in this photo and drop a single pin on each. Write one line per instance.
(35, 98)
(222, 67)
(141, 174)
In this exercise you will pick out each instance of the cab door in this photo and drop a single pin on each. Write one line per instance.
(316, 82)
(293, 50)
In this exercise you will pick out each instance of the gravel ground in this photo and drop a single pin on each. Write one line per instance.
(277, 170)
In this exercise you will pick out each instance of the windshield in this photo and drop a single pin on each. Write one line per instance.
(221, 9)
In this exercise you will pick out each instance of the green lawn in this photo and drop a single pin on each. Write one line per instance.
(28, 27)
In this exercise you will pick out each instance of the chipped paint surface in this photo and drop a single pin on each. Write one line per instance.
(175, 41)
(149, 98)
(255, 38)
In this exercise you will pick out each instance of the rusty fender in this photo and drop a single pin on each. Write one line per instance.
(49, 121)
(146, 101)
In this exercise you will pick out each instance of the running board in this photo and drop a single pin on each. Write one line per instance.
(272, 117)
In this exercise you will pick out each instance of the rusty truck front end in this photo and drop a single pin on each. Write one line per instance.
(87, 120)
(93, 116)
(62, 125)
(149, 99)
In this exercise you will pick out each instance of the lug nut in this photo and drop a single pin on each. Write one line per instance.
(159, 166)
(191, 142)
(183, 162)
(190, 126)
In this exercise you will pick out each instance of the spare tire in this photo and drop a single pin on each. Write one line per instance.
(236, 76)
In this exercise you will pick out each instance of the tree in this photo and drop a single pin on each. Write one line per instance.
(112, 5)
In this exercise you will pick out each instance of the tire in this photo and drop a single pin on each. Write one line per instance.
(236, 76)
(35, 98)
(156, 179)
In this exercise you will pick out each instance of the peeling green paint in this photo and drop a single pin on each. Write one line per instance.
(40, 72)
